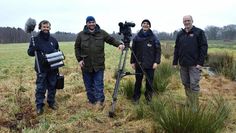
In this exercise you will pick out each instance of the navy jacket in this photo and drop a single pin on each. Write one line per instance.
(44, 44)
(190, 47)
(147, 48)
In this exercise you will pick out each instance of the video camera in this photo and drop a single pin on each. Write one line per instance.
(125, 29)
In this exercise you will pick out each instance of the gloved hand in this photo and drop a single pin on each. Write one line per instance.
(34, 48)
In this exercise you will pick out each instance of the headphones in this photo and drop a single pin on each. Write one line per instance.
(44, 22)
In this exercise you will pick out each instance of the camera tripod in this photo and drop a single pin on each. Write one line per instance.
(121, 73)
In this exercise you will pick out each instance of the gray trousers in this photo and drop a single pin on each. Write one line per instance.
(190, 77)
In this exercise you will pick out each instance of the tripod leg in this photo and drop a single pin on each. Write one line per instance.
(118, 78)
(114, 97)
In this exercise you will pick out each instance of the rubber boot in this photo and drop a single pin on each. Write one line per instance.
(188, 97)
(194, 100)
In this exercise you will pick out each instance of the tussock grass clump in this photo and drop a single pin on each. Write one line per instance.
(167, 50)
(162, 76)
(128, 88)
(223, 63)
(175, 118)
(142, 110)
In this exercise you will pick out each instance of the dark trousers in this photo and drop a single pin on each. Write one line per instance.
(45, 81)
(138, 84)
(94, 85)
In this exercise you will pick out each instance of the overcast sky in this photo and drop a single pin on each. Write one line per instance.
(70, 15)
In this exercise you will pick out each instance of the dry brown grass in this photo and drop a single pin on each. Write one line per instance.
(17, 108)
(225, 88)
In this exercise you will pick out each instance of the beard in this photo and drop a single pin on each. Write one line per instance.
(91, 27)
(45, 34)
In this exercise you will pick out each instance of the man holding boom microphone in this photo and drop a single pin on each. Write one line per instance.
(43, 44)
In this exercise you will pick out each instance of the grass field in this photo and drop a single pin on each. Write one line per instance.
(17, 88)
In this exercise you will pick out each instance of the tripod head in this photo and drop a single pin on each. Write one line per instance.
(125, 30)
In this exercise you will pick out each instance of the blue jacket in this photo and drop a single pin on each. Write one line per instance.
(44, 44)
(190, 47)
(147, 48)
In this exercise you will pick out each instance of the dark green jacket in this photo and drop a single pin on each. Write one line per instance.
(89, 46)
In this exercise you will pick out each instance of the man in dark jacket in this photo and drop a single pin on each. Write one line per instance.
(147, 48)
(89, 52)
(46, 77)
(190, 51)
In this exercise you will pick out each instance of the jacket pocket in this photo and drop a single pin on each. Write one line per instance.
(99, 41)
(85, 42)
(100, 60)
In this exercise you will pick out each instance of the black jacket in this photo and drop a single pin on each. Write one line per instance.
(190, 48)
(44, 44)
(147, 48)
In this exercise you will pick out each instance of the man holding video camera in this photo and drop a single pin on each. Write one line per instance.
(43, 44)
(89, 52)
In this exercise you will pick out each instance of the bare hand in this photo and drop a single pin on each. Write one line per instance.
(199, 67)
(155, 65)
(81, 63)
(133, 65)
(121, 46)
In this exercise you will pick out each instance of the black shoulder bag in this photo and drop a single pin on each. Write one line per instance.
(60, 81)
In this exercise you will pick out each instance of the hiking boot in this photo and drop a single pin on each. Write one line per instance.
(99, 106)
(53, 107)
(135, 102)
(148, 102)
(39, 111)
(90, 105)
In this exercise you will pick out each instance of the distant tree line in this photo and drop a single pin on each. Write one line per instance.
(226, 33)
(13, 35)
(17, 35)
(221, 33)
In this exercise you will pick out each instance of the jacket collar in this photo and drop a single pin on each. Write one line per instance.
(97, 29)
(191, 30)
(143, 34)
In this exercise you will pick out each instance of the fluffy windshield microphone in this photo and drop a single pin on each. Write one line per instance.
(30, 25)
